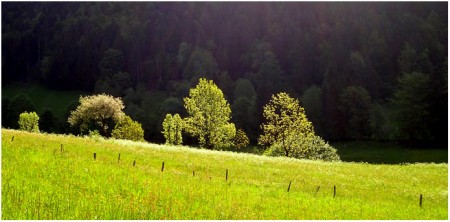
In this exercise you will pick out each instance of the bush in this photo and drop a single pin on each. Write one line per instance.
(128, 129)
(29, 122)
(240, 140)
(313, 148)
(19, 104)
(98, 112)
(48, 122)
(172, 126)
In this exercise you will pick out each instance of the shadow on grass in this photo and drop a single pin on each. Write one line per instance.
(387, 153)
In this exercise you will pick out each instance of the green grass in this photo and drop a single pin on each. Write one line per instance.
(388, 153)
(56, 101)
(41, 182)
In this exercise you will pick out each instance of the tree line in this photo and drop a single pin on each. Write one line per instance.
(286, 131)
(361, 70)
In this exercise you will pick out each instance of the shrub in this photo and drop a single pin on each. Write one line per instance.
(128, 129)
(97, 112)
(19, 104)
(240, 140)
(48, 122)
(29, 122)
(313, 148)
(172, 126)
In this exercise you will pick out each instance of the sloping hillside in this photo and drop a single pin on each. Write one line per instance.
(57, 177)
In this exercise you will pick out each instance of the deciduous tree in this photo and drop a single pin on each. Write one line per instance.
(286, 124)
(172, 127)
(355, 104)
(101, 112)
(128, 129)
(412, 110)
(29, 122)
(209, 116)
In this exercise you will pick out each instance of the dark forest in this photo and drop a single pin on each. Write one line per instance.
(362, 71)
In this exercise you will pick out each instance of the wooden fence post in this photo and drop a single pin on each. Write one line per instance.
(334, 193)
(226, 175)
(62, 147)
(162, 167)
(12, 139)
(193, 173)
(317, 190)
(289, 187)
(134, 163)
(95, 156)
(420, 203)
(118, 159)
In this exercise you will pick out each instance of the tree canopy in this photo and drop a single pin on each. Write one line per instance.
(209, 116)
(98, 112)
(148, 52)
(286, 123)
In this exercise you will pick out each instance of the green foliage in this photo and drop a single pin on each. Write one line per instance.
(112, 79)
(382, 124)
(412, 109)
(29, 122)
(19, 104)
(286, 124)
(184, 51)
(355, 104)
(111, 62)
(95, 135)
(6, 113)
(209, 115)
(240, 140)
(101, 112)
(316, 148)
(244, 108)
(313, 104)
(48, 122)
(172, 105)
(110, 47)
(41, 98)
(128, 129)
(172, 126)
(244, 88)
(114, 85)
(312, 148)
(407, 59)
(200, 64)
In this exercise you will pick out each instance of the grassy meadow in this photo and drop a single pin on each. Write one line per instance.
(41, 180)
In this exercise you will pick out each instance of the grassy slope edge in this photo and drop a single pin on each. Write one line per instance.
(41, 182)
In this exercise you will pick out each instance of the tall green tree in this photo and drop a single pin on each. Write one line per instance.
(286, 124)
(201, 63)
(244, 108)
(209, 116)
(355, 102)
(313, 103)
(172, 127)
(412, 108)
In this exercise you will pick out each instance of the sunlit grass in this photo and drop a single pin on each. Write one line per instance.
(41, 182)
